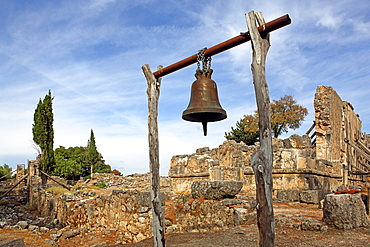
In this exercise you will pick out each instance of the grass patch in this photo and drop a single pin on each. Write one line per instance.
(58, 190)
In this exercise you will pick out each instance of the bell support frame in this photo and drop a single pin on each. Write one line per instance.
(228, 44)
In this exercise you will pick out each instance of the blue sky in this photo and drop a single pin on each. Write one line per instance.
(90, 53)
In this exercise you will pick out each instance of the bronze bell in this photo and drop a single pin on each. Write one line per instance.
(204, 105)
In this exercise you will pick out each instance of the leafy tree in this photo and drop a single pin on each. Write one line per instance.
(43, 133)
(100, 166)
(76, 162)
(285, 114)
(240, 133)
(71, 162)
(5, 170)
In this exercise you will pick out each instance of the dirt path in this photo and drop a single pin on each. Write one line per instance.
(286, 215)
(248, 236)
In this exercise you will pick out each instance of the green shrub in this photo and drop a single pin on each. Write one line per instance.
(101, 185)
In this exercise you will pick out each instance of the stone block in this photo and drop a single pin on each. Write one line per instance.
(345, 211)
(288, 195)
(69, 197)
(311, 196)
(289, 181)
(143, 198)
(215, 173)
(231, 173)
(296, 141)
(231, 202)
(51, 242)
(18, 242)
(288, 159)
(90, 208)
(313, 226)
(215, 189)
(201, 151)
(70, 234)
(242, 216)
(23, 224)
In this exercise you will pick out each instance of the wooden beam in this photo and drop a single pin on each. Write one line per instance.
(153, 96)
(261, 160)
(15, 185)
(360, 151)
(363, 146)
(263, 29)
(311, 128)
(63, 185)
(5, 175)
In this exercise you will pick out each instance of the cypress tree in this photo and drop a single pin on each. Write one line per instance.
(92, 152)
(43, 133)
(39, 129)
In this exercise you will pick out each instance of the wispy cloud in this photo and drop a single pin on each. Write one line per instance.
(90, 53)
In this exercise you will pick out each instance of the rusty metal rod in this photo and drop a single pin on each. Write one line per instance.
(240, 39)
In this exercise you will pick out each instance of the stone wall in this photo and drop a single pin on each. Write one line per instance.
(121, 210)
(227, 162)
(294, 168)
(129, 211)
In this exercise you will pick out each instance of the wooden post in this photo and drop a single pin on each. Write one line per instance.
(153, 95)
(262, 159)
(29, 183)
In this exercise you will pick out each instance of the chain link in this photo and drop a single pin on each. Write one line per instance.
(201, 59)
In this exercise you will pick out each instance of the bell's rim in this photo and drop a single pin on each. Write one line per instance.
(205, 115)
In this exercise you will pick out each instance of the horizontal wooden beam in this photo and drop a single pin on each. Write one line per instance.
(240, 39)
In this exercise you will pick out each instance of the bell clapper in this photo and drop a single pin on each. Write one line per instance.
(204, 123)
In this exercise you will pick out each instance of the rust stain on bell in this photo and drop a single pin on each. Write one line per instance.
(204, 105)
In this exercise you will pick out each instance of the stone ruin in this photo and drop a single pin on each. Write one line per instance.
(215, 188)
(305, 168)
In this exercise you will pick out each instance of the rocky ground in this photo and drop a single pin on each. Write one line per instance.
(297, 224)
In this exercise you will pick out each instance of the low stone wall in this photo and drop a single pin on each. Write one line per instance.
(129, 212)
(134, 181)
(124, 210)
(199, 215)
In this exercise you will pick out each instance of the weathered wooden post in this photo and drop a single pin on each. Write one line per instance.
(262, 159)
(157, 213)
